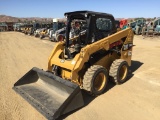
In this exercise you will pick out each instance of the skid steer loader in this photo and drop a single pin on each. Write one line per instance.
(28, 28)
(45, 32)
(58, 29)
(87, 59)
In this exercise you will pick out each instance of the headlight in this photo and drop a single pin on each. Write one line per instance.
(86, 15)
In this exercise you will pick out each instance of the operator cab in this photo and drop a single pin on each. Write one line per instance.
(86, 27)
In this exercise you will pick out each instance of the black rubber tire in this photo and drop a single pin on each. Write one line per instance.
(36, 35)
(57, 38)
(138, 31)
(41, 37)
(90, 80)
(118, 66)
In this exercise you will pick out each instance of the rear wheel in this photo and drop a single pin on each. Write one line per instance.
(41, 36)
(119, 71)
(95, 80)
(59, 38)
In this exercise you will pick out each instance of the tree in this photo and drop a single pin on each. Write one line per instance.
(131, 20)
(19, 20)
(154, 18)
(138, 18)
(26, 20)
(149, 19)
(35, 20)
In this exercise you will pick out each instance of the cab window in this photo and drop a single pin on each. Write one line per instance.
(103, 24)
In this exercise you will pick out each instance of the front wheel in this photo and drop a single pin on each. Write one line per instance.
(95, 80)
(41, 36)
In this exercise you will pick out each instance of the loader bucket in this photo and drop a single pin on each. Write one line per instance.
(49, 94)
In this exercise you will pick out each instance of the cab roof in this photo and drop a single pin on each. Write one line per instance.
(87, 12)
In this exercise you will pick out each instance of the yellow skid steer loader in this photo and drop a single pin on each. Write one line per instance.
(91, 53)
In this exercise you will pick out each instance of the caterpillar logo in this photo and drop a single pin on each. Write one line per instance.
(127, 46)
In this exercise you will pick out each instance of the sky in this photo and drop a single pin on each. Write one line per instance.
(57, 8)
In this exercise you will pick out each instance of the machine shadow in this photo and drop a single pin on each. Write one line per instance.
(135, 65)
(88, 99)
